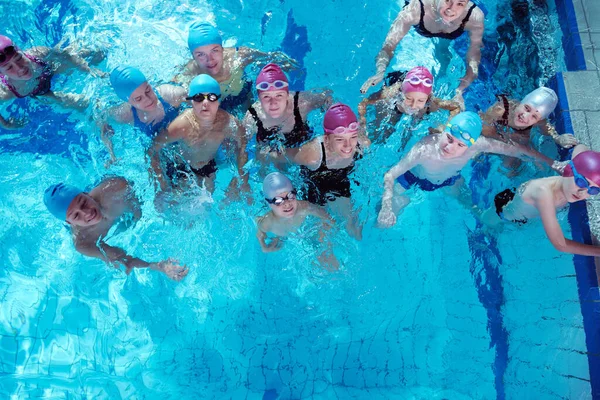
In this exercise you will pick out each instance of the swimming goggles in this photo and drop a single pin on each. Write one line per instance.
(280, 200)
(7, 53)
(199, 98)
(269, 85)
(352, 128)
(582, 182)
(415, 80)
(459, 133)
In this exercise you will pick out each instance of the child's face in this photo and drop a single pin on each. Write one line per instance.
(526, 115)
(274, 103)
(574, 193)
(209, 58)
(143, 98)
(342, 144)
(450, 10)
(414, 102)
(84, 211)
(451, 147)
(288, 208)
(206, 110)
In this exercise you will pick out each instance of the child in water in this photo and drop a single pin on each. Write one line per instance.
(287, 215)
(544, 197)
(436, 160)
(408, 93)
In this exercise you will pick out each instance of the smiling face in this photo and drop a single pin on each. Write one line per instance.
(451, 147)
(414, 102)
(572, 192)
(274, 103)
(143, 98)
(342, 144)
(206, 110)
(84, 211)
(526, 115)
(17, 68)
(451, 10)
(209, 58)
(288, 208)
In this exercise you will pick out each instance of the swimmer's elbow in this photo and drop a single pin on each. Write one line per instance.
(560, 244)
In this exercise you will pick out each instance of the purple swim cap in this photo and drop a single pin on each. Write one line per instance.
(338, 115)
(4, 43)
(587, 164)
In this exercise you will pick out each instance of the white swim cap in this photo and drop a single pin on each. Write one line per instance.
(276, 183)
(542, 99)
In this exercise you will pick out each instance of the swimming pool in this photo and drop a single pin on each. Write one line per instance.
(430, 309)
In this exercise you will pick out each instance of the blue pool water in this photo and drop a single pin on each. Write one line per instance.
(431, 309)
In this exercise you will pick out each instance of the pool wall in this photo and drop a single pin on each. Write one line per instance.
(570, 12)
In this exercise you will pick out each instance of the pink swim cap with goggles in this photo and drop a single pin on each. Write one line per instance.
(5, 42)
(340, 119)
(587, 163)
(271, 78)
(418, 79)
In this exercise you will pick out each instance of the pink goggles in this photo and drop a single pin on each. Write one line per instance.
(352, 128)
(415, 80)
(277, 85)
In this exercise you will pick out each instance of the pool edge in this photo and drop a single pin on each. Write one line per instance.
(585, 267)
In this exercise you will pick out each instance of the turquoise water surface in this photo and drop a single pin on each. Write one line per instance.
(431, 309)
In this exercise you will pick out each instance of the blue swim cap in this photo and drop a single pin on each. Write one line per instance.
(125, 80)
(202, 34)
(58, 198)
(466, 126)
(204, 84)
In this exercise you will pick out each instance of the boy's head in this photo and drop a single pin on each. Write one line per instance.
(205, 92)
(535, 107)
(461, 133)
(584, 168)
(206, 45)
(72, 205)
(280, 195)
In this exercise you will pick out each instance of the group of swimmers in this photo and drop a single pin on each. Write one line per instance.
(185, 140)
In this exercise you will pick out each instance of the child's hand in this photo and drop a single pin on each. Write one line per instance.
(274, 245)
(566, 140)
(559, 166)
(386, 217)
(172, 270)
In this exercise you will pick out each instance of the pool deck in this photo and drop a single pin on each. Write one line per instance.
(579, 112)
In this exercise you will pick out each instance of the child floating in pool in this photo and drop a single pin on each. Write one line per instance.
(278, 119)
(544, 197)
(200, 131)
(404, 93)
(91, 215)
(29, 74)
(149, 109)
(287, 215)
(326, 163)
(226, 65)
(440, 19)
(436, 160)
(512, 121)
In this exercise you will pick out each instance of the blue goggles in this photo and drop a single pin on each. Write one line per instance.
(583, 183)
(457, 132)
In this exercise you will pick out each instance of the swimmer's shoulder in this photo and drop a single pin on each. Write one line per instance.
(112, 186)
(265, 222)
(310, 153)
(121, 113)
(39, 52)
(538, 189)
(172, 94)
(476, 19)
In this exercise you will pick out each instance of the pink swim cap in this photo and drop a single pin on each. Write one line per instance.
(420, 73)
(338, 115)
(269, 74)
(4, 43)
(587, 164)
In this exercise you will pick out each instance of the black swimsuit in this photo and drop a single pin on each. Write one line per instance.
(501, 200)
(273, 135)
(326, 184)
(421, 30)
